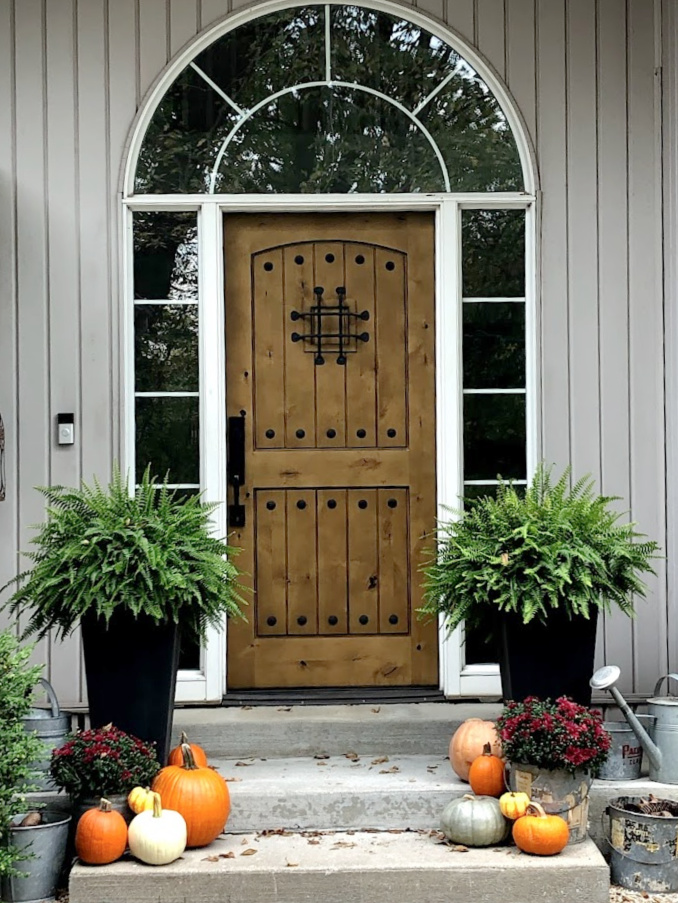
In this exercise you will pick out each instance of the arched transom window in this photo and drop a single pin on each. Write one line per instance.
(328, 99)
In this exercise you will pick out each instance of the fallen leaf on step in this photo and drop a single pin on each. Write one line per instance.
(313, 841)
(243, 764)
(246, 708)
(233, 780)
(229, 855)
(292, 865)
(459, 848)
(321, 763)
(380, 760)
(342, 844)
(392, 770)
(377, 710)
(274, 832)
(321, 756)
(244, 842)
(210, 859)
(431, 767)
(352, 756)
(285, 708)
(249, 852)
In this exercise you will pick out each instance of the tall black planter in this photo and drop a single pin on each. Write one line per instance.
(131, 667)
(547, 660)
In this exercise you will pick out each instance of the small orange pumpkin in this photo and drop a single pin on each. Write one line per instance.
(468, 742)
(101, 835)
(176, 757)
(513, 805)
(199, 794)
(539, 833)
(486, 774)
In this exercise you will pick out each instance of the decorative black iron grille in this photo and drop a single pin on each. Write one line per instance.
(333, 327)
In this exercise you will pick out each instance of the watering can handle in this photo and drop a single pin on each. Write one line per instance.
(661, 681)
(51, 695)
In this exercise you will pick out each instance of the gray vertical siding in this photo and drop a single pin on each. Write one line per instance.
(72, 75)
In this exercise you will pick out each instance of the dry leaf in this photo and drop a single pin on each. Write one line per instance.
(321, 756)
(244, 764)
(244, 842)
(249, 852)
(380, 760)
(392, 770)
(377, 710)
(229, 855)
(313, 840)
(341, 844)
(211, 859)
(233, 780)
(459, 848)
(352, 756)
(285, 708)
(246, 708)
(321, 763)
(292, 865)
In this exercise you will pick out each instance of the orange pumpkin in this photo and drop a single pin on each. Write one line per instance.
(468, 742)
(101, 835)
(176, 757)
(199, 794)
(539, 833)
(486, 774)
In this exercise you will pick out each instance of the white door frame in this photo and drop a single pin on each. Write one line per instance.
(208, 684)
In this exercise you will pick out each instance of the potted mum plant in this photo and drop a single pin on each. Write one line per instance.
(539, 564)
(554, 749)
(133, 570)
(102, 762)
(32, 844)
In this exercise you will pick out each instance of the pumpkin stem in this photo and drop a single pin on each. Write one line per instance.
(189, 760)
(157, 806)
(487, 749)
(104, 805)
(535, 809)
(184, 738)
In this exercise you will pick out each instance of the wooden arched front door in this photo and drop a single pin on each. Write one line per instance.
(331, 399)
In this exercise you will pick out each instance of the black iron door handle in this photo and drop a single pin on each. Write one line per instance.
(236, 468)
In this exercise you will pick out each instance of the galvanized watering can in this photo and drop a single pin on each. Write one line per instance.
(51, 728)
(661, 742)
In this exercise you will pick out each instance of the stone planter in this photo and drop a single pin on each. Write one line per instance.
(560, 793)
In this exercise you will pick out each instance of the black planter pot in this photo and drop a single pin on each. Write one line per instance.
(547, 660)
(131, 667)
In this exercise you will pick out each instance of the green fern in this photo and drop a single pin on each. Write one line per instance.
(152, 553)
(550, 548)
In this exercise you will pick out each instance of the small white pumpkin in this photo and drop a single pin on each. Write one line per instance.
(157, 836)
(475, 821)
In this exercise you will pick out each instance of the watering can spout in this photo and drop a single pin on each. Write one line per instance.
(605, 679)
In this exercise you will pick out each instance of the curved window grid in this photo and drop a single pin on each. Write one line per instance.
(322, 99)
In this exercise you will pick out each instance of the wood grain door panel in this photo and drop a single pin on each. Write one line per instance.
(340, 459)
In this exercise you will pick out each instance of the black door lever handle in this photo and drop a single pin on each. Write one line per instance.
(236, 468)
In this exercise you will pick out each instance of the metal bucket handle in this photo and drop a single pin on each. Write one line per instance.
(607, 834)
(661, 681)
(51, 695)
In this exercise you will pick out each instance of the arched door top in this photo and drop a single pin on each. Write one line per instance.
(328, 98)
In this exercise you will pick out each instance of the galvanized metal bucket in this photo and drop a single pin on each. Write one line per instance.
(46, 844)
(559, 792)
(51, 726)
(644, 855)
(626, 751)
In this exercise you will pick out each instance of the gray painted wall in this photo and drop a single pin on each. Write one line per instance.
(586, 76)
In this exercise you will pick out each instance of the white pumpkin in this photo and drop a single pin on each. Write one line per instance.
(157, 836)
(475, 821)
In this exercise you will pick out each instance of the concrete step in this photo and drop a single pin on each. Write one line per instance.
(306, 730)
(371, 792)
(360, 867)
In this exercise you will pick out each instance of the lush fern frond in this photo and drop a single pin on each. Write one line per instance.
(550, 546)
(152, 552)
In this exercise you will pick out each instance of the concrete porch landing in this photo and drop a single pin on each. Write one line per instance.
(349, 867)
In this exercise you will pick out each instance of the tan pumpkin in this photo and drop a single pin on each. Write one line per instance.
(513, 805)
(539, 833)
(486, 774)
(468, 742)
(140, 799)
(101, 835)
(199, 794)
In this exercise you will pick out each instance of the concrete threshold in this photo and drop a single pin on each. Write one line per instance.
(360, 867)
